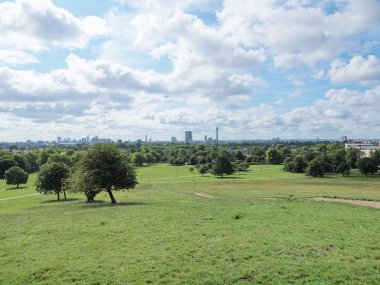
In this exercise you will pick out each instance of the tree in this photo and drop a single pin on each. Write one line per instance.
(51, 177)
(367, 165)
(63, 158)
(239, 155)
(353, 155)
(138, 159)
(5, 164)
(203, 169)
(16, 176)
(149, 158)
(344, 168)
(80, 181)
(315, 168)
(106, 169)
(298, 164)
(272, 156)
(222, 165)
(22, 162)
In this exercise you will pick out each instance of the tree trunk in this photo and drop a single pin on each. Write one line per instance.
(58, 196)
(17, 185)
(111, 196)
(64, 193)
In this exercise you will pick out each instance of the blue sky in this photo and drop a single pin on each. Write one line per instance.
(123, 69)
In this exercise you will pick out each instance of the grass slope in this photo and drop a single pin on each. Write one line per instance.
(161, 233)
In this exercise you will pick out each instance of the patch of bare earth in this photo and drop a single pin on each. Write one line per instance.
(348, 201)
(205, 195)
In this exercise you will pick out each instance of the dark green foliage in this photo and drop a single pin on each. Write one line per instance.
(5, 164)
(106, 169)
(51, 177)
(375, 155)
(344, 168)
(316, 167)
(296, 164)
(149, 158)
(80, 181)
(222, 165)
(367, 165)
(138, 159)
(239, 155)
(60, 158)
(32, 158)
(203, 169)
(22, 162)
(273, 156)
(16, 176)
(352, 157)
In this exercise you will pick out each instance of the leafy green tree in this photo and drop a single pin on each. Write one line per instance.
(149, 158)
(16, 176)
(203, 169)
(344, 168)
(138, 159)
(105, 169)
(298, 164)
(352, 157)
(239, 155)
(222, 165)
(51, 177)
(273, 156)
(22, 162)
(315, 168)
(288, 164)
(5, 164)
(32, 157)
(375, 155)
(367, 165)
(60, 158)
(80, 181)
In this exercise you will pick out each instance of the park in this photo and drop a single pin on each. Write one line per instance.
(259, 226)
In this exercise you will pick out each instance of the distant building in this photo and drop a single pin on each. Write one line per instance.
(59, 139)
(217, 134)
(343, 139)
(188, 137)
(174, 140)
(365, 147)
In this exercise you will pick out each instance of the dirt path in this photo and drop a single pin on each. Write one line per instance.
(348, 201)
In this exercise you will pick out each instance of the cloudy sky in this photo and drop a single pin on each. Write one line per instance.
(125, 68)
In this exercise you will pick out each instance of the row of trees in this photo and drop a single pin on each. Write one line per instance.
(101, 168)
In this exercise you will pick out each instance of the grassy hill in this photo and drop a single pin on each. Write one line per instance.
(180, 228)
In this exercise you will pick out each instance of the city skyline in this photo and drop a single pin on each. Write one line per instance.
(124, 69)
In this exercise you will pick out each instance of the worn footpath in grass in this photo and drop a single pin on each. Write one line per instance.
(161, 233)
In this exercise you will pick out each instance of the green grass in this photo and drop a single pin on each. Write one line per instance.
(161, 233)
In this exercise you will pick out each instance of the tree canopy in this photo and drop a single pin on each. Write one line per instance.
(105, 169)
(51, 177)
(16, 176)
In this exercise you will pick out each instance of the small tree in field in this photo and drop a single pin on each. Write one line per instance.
(203, 169)
(16, 176)
(105, 169)
(222, 166)
(315, 168)
(51, 178)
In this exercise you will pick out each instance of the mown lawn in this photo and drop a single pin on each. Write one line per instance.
(254, 229)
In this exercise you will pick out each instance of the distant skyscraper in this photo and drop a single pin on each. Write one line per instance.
(59, 139)
(174, 140)
(205, 138)
(217, 134)
(188, 136)
(146, 138)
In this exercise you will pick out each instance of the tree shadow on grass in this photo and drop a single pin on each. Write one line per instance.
(228, 177)
(102, 203)
(15, 188)
(61, 201)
